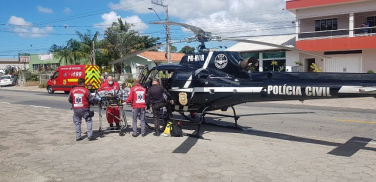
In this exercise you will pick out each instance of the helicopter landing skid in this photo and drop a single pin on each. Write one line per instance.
(223, 115)
(204, 112)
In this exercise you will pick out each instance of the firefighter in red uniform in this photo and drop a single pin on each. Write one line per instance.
(107, 86)
(137, 97)
(80, 98)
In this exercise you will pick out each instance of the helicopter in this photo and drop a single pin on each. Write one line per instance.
(217, 80)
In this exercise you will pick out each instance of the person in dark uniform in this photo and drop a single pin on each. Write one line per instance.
(80, 98)
(248, 63)
(157, 101)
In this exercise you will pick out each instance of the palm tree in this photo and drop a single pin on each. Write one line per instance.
(63, 53)
(77, 50)
(86, 42)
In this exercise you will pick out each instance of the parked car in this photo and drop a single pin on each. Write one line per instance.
(6, 80)
(2, 72)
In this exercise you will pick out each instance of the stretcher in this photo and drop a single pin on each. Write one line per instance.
(112, 98)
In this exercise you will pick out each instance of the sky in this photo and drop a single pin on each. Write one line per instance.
(33, 26)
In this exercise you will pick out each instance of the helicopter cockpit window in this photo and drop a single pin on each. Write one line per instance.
(180, 78)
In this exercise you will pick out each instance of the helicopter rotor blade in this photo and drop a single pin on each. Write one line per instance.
(194, 29)
(139, 52)
(276, 45)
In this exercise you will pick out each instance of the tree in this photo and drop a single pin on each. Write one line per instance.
(63, 53)
(78, 51)
(187, 50)
(120, 40)
(86, 42)
(174, 49)
(315, 68)
(274, 63)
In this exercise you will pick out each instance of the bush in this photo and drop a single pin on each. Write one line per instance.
(43, 85)
(32, 77)
(129, 80)
(370, 71)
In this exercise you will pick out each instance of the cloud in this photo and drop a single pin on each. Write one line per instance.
(67, 10)
(25, 29)
(109, 18)
(222, 17)
(44, 10)
(14, 20)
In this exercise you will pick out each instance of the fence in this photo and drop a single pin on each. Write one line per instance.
(43, 78)
(22, 80)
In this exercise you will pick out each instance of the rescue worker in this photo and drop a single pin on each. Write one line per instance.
(157, 101)
(80, 98)
(107, 86)
(137, 98)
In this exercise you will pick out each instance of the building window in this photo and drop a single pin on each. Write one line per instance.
(371, 20)
(326, 24)
(246, 55)
(275, 57)
(280, 67)
(45, 67)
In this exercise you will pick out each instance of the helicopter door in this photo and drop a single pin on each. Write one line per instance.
(143, 74)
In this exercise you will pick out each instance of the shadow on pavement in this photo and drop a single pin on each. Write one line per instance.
(347, 149)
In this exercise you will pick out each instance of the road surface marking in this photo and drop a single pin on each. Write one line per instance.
(355, 121)
(40, 106)
(4, 102)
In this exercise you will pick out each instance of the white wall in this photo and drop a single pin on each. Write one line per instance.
(303, 57)
(291, 58)
(369, 60)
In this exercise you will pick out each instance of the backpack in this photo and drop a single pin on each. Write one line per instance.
(163, 113)
(175, 130)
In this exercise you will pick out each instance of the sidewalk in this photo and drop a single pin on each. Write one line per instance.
(23, 88)
(34, 147)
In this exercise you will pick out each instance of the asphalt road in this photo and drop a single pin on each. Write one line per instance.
(268, 119)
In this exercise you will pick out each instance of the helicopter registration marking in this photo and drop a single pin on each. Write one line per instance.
(192, 58)
(297, 90)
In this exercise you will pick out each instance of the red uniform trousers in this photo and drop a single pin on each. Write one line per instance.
(115, 111)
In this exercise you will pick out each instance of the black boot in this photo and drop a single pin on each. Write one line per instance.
(118, 126)
(111, 126)
(157, 132)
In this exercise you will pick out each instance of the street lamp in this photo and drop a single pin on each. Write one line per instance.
(150, 8)
(167, 27)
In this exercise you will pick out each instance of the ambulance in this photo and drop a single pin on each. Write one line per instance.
(66, 77)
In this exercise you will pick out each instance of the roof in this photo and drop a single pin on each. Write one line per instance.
(9, 60)
(160, 56)
(299, 4)
(285, 40)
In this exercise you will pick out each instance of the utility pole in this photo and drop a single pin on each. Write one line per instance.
(93, 54)
(160, 3)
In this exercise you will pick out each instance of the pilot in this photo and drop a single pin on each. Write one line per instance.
(80, 98)
(156, 99)
(107, 86)
(248, 63)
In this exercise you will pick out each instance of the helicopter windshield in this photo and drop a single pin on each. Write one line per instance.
(237, 56)
(143, 74)
(161, 75)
